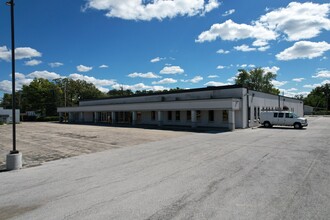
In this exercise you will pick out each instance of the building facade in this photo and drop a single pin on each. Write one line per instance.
(6, 115)
(221, 107)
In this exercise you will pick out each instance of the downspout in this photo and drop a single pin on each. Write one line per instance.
(248, 107)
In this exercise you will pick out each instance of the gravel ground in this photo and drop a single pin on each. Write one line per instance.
(44, 141)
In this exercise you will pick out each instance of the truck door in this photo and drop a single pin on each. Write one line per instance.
(281, 119)
(289, 119)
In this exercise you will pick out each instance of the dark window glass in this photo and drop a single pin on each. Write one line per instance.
(188, 115)
(198, 115)
(275, 115)
(224, 115)
(211, 115)
(169, 115)
(177, 115)
(280, 115)
(153, 115)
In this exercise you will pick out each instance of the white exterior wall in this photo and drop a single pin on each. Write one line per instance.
(236, 99)
(9, 113)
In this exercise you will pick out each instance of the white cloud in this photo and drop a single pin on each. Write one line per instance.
(20, 53)
(231, 79)
(273, 69)
(232, 31)
(222, 51)
(82, 68)
(55, 64)
(5, 86)
(165, 81)
(212, 76)
(213, 83)
(303, 50)
(91, 79)
(148, 10)
(104, 66)
(196, 79)
(279, 83)
(139, 86)
(298, 79)
(312, 86)
(172, 70)
(148, 75)
(44, 74)
(245, 48)
(298, 20)
(292, 92)
(220, 67)
(157, 59)
(32, 62)
(322, 74)
(229, 12)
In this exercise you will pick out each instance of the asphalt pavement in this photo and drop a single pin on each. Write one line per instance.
(278, 173)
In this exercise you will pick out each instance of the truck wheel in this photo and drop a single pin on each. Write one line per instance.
(267, 124)
(297, 125)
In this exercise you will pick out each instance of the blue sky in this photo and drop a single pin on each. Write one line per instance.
(161, 44)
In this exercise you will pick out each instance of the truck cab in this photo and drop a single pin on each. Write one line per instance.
(282, 118)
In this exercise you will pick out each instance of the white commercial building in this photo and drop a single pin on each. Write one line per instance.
(221, 107)
(6, 115)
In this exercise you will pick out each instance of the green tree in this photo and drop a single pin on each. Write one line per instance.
(256, 79)
(319, 97)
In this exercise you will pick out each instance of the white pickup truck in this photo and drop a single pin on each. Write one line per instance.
(283, 118)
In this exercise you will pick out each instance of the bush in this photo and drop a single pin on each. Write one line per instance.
(321, 112)
(48, 118)
(1, 123)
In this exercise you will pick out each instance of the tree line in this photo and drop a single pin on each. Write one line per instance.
(44, 96)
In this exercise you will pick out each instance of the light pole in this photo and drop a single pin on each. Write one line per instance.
(14, 158)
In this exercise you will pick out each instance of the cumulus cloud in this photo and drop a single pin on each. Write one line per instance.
(139, 86)
(32, 62)
(149, 75)
(55, 64)
(273, 69)
(232, 31)
(212, 76)
(220, 67)
(172, 70)
(298, 20)
(295, 22)
(303, 50)
(196, 79)
(148, 10)
(44, 74)
(229, 12)
(103, 66)
(157, 59)
(222, 51)
(312, 86)
(82, 68)
(213, 83)
(298, 79)
(99, 83)
(20, 53)
(279, 83)
(322, 74)
(165, 81)
(244, 48)
(91, 79)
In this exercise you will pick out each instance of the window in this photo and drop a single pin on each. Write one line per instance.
(249, 113)
(153, 115)
(211, 115)
(177, 115)
(280, 115)
(288, 115)
(198, 115)
(275, 115)
(188, 115)
(258, 112)
(224, 115)
(169, 115)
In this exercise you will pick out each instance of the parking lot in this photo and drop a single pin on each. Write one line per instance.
(42, 142)
(277, 173)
